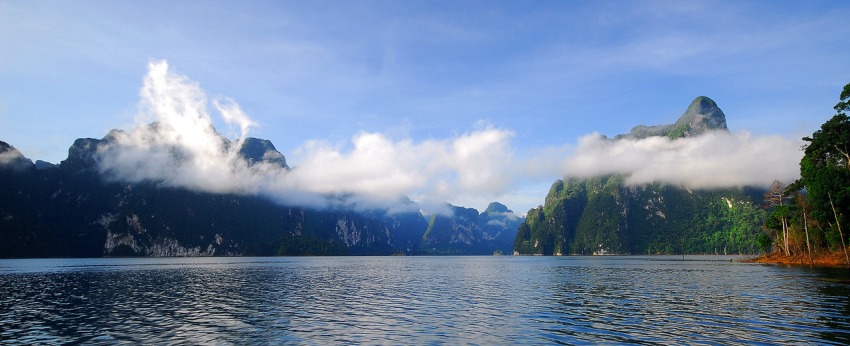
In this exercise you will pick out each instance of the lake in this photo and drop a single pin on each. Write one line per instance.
(420, 300)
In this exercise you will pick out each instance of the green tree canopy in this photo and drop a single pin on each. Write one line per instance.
(844, 105)
(825, 168)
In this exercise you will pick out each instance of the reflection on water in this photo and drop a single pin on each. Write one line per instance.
(392, 300)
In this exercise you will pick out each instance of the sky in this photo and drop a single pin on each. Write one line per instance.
(465, 102)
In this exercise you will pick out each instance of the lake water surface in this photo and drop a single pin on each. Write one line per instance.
(420, 300)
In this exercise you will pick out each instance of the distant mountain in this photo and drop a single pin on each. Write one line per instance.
(601, 215)
(499, 225)
(43, 164)
(73, 210)
(468, 232)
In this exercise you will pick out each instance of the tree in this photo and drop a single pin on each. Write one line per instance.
(825, 171)
(774, 200)
(801, 205)
(843, 105)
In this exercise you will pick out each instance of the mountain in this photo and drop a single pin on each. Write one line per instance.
(470, 233)
(602, 215)
(499, 225)
(701, 116)
(73, 210)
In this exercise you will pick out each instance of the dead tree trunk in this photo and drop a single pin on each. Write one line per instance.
(808, 245)
(840, 233)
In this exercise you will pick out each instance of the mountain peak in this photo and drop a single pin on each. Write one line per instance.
(261, 150)
(702, 116)
(497, 207)
(11, 157)
(702, 104)
(82, 155)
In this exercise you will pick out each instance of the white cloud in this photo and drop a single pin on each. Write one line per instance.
(712, 160)
(183, 149)
(384, 169)
(375, 170)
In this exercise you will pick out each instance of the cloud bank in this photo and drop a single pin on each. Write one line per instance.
(173, 143)
(712, 160)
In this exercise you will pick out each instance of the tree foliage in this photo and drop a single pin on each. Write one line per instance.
(813, 211)
(603, 215)
(825, 172)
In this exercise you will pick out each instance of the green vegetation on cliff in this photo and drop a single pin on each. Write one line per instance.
(603, 216)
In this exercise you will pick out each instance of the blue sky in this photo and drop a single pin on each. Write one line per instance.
(546, 72)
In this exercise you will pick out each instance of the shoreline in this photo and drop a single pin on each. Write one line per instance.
(819, 259)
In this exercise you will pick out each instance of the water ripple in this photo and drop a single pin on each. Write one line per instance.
(419, 300)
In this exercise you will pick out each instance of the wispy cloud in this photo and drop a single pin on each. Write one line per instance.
(9, 156)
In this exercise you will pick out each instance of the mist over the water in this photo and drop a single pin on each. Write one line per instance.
(374, 170)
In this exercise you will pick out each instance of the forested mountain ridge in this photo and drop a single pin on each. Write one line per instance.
(603, 215)
(75, 209)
